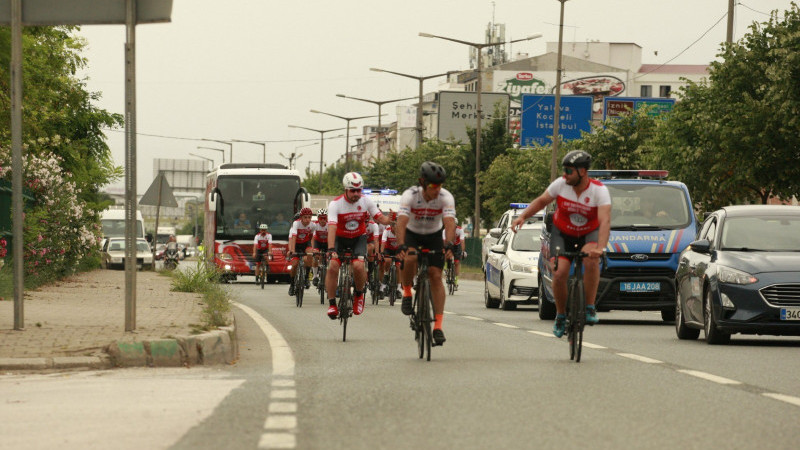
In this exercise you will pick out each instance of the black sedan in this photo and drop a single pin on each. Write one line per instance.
(742, 275)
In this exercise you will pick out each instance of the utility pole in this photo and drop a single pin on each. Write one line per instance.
(729, 37)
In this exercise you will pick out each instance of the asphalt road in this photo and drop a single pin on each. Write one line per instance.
(500, 381)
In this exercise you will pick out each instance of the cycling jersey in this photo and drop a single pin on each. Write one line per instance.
(578, 216)
(389, 239)
(459, 236)
(261, 242)
(302, 233)
(373, 232)
(351, 218)
(320, 232)
(426, 217)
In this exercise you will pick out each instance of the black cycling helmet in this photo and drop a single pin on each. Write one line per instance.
(432, 172)
(577, 159)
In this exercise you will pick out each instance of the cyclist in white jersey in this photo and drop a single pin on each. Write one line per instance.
(347, 224)
(424, 211)
(582, 222)
(459, 249)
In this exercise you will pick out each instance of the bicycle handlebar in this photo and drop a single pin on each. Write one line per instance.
(578, 254)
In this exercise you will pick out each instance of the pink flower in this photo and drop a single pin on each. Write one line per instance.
(40, 238)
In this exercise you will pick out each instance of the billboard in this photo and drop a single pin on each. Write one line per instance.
(538, 116)
(459, 110)
(617, 106)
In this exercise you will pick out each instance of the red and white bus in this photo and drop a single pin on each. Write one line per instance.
(239, 198)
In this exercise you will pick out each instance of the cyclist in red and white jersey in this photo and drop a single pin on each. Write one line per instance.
(261, 245)
(347, 225)
(582, 222)
(389, 247)
(299, 239)
(320, 239)
(459, 249)
(424, 211)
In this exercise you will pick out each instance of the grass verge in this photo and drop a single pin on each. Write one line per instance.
(204, 280)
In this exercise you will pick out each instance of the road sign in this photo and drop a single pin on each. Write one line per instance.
(537, 118)
(617, 106)
(459, 110)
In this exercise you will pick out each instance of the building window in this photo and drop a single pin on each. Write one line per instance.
(647, 91)
(663, 91)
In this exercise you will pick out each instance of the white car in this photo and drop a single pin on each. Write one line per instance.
(511, 270)
(502, 225)
(112, 254)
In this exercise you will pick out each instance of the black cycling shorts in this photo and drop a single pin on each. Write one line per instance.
(260, 254)
(357, 245)
(457, 252)
(300, 247)
(431, 241)
(570, 243)
(321, 246)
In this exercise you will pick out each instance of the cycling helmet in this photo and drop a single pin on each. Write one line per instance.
(322, 212)
(577, 158)
(352, 180)
(306, 212)
(432, 172)
(263, 226)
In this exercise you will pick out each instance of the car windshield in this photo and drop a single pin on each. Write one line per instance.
(769, 233)
(648, 206)
(119, 245)
(527, 240)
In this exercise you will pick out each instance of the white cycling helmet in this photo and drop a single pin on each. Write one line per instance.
(263, 226)
(352, 180)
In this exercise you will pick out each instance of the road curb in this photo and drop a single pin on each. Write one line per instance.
(58, 362)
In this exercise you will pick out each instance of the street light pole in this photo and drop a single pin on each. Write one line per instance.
(380, 104)
(321, 146)
(419, 106)
(479, 87)
(263, 144)
(557, 112)
(203, 157)
(347, 139)
(228, 143)
(215, 149)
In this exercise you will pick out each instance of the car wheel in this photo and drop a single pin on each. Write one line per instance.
(547, 309)
(713, 335)
(505, 305)
(683, 331)
(488, 301)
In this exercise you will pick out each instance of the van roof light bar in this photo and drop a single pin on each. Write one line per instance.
(630, 174)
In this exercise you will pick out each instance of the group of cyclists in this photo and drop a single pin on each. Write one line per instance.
(427, 220)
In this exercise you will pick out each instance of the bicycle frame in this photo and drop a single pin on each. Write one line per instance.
(422, 318)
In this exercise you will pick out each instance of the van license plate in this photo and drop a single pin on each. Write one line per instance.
(790, 313)
(640, 286)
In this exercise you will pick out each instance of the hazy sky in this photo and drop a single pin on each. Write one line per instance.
(246, 69)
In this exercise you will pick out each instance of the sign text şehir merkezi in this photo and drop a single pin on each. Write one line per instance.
(538, 114)
(459, 111)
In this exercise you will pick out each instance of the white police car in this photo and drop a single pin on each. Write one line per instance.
(502, 225)
(511, 272)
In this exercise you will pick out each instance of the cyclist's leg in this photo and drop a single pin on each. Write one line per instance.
(591, 269)
(407, 278)
(560, 276)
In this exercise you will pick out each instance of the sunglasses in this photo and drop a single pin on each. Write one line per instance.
(354, 190)
(568, 170)
(434, 186)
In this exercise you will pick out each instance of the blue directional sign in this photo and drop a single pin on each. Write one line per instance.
(537, 118)
(617, 106)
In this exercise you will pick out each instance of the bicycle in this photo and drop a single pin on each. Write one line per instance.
(450, 276)
(322, 272)
(391, 286)
(374, 281)
(345, 291)
(300, 278)
(262, 271)
(576, 301)
(422, 318)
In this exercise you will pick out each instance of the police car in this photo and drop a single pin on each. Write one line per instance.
(502, 225)
(511, 273)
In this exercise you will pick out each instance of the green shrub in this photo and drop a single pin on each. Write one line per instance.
(204, 279)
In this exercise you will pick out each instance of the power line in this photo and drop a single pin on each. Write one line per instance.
(179, 138)
(754, 10)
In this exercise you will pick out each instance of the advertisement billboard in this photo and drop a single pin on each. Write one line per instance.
(617, 106)
(459, 110)
(538, 117)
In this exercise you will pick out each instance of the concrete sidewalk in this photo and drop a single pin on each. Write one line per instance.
(80, 323)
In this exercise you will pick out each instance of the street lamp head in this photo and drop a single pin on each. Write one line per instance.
(341, 95)
(375, 69)
(317, 112)
(534, 36)
(427, 35)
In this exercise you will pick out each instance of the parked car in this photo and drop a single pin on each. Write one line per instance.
(112, 254)
(511, 273)
(742, 275)
(502, 225)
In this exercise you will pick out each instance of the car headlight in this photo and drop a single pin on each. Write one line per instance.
(524, 268)
(224, 256)
(733, 276)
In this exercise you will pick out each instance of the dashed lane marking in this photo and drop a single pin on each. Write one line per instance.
(784, 398)
(594, 346)
(640, 358)
(504, 325)
(709, 377)
(472, 317)
(541, 333)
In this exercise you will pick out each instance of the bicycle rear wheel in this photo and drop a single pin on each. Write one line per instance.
(581, 319)
(392, 286)
(299, 285)
(424, 319)
(572, 318)
(345, 302)
(374, 284)
(321, 286)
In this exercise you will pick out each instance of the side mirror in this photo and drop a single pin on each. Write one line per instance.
(498, 248)
(495, 233)
(701, 246)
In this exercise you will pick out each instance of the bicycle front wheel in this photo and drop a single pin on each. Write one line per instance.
(321, 285)
(424, 319)
(345, 302)
(299, 286)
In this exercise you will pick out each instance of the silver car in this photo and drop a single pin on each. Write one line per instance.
(112, 255)
(511, 272)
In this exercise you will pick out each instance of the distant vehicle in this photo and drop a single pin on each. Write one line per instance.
(502, 225)
(511, 272)
(112, 254)
(257, 193)
(163, 234)
(742, 275)
(112, 223)
(652, 221)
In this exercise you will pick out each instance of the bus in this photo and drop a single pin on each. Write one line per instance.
(240, 197)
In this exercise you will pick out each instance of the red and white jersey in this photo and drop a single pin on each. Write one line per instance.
(576, 216)
(459, 235)
(373, 231)
(389, 239)
(301, 233)
(351, 218)
(426, 217)
(320, 232)
(262, 241)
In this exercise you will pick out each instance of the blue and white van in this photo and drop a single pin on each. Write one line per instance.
(652, 221)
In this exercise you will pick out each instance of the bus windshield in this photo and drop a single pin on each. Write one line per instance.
(250, 200)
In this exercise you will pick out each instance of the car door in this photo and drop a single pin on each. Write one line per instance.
(494, 267)
(696, 266)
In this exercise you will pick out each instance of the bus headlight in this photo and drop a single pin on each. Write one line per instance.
(224, 257)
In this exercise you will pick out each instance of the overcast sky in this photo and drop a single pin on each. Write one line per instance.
(246, 69)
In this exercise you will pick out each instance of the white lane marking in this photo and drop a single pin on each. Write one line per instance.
(282, 417)
(472, 317)
(640, 358)
(595, 346)
(709, 377)
(784, 398)
(277, 440)
(504, 325)
(541, 333)
(448, 312)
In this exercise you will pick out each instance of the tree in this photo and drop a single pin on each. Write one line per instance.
(519, 175)
(619, 142)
